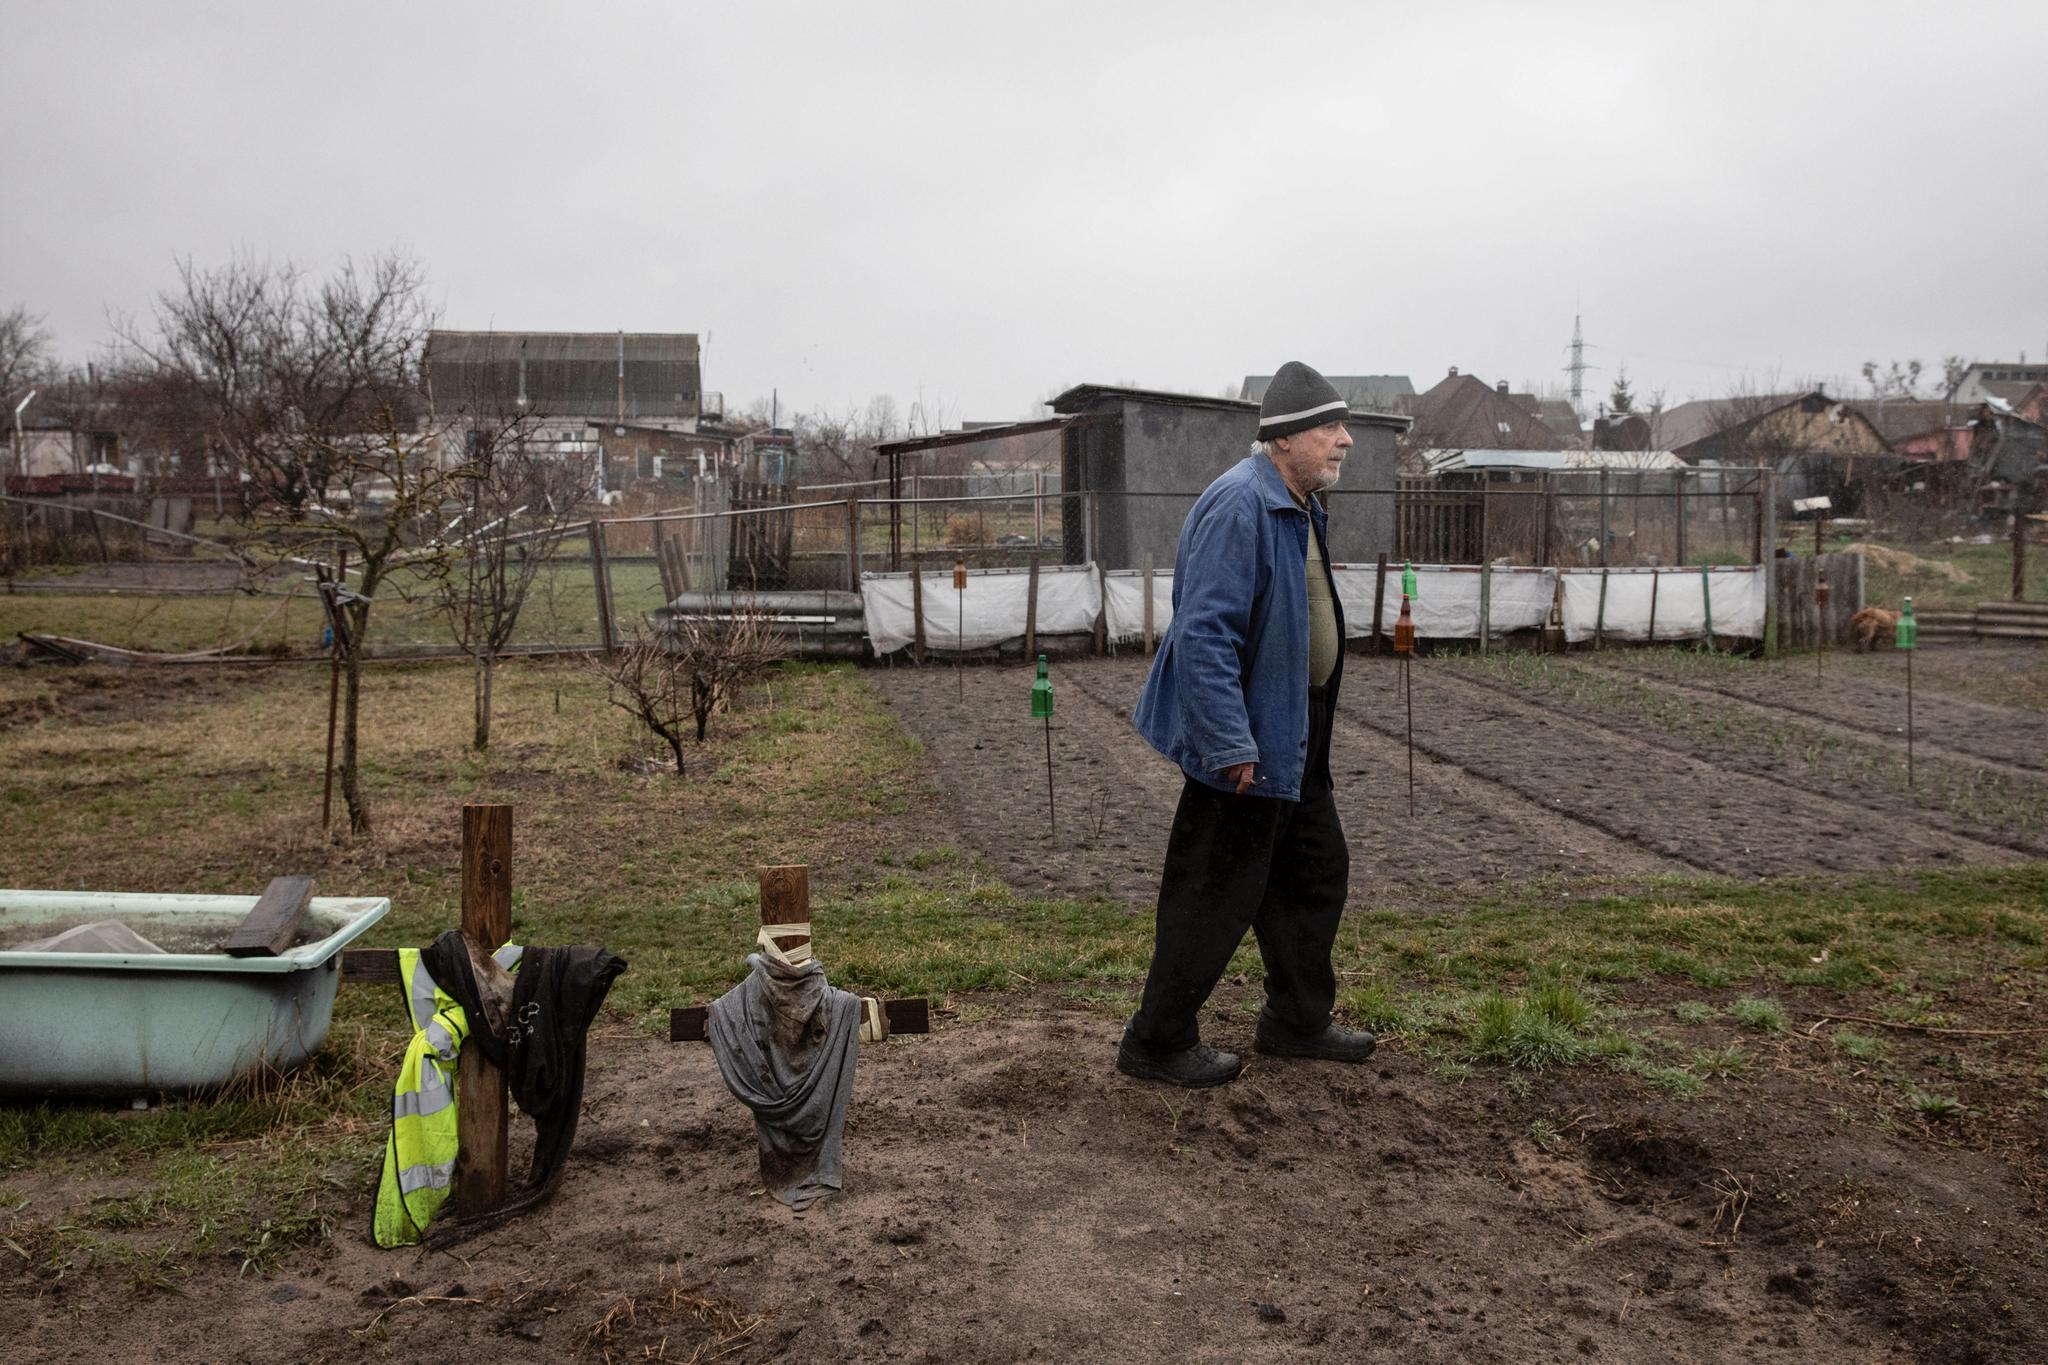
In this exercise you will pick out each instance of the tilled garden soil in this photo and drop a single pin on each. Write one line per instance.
(1010, 1197)
(1866, 694)
(1511, 783)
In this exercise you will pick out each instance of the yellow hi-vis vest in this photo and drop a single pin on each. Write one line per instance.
(420, 1152)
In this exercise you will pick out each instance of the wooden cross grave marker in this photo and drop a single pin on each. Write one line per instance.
(481, 1108)
(786, 899)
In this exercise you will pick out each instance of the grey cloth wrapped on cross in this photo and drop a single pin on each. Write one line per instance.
(786, 1044)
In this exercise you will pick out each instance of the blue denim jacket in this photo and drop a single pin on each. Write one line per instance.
(1230, 682)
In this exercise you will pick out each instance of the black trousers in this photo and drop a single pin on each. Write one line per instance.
(1280, 868)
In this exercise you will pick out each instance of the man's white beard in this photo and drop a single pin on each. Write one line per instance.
(1327, 479)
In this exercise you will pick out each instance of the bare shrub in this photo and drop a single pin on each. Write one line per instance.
(676, 679)
(970, 528)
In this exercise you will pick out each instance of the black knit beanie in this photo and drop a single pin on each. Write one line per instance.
(1297, 399)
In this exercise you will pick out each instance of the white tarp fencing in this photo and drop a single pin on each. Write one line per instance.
(1123, 603)
(990, 611)
(1446, 602)
(1681, 601)
(1447, 605)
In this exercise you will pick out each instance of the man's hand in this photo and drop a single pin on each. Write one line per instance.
(1240, 776)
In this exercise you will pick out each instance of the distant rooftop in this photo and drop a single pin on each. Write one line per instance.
(1081, 396)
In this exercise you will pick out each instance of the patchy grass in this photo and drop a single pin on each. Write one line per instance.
(1939, 1108)
(285, 618)
(1720, 1063)
(1672, 1080)
(1988, 571)
(1765, 1016)
(1540, 1033)
(209, 781)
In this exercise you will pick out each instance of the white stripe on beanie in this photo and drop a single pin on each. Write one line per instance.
(1279, 417)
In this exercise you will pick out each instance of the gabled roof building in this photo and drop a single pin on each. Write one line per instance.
(1462, 412)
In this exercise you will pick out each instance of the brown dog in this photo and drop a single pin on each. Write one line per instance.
(1873, 624)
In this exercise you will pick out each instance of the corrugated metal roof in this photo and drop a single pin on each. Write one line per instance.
(1444, 461)
(569, 373)
(470, 347)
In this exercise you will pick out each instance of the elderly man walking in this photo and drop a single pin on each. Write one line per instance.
(1240, 696)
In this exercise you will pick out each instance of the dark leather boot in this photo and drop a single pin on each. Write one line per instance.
(1196, 1068)
(1333, 1044)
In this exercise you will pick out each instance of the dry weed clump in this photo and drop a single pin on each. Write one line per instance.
(967, 528)
(1905, 563)
(672, 1302)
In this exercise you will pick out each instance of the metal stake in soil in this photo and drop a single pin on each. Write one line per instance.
(1404, 645)
(1041, 706)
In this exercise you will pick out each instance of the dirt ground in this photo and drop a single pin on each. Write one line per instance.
(1010, 1197)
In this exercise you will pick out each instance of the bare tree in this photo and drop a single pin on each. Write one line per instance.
(313, 394)
(1900, 381)
(25, 355)
(523, 496)
(721, 651)
(841, 449)
(279, 368)
(1953, 369)
(677, 680)
(648, 683)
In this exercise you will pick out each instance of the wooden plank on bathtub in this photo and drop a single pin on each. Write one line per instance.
(369, 964)
(269, 928)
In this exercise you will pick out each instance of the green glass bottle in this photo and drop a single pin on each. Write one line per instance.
(1041, 693)
(1909, 629)
(1408, 581)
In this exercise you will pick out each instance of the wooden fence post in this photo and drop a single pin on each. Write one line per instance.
(1678, 501)
(1758, 539)
(601, 580)
(2019, 538)
(1095, 557)
(480, 1086)
(1603, 525)
(1031, 612)
(1148, 602)
(1767, 480)
(1485, 569)
(1651, 636)
(1379, 602)
(786, 899)
(917, 611)
(853, 544)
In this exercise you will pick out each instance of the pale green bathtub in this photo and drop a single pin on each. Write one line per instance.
(133, 1025)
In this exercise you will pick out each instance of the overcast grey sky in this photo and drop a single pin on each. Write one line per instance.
(982, 204)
